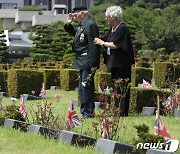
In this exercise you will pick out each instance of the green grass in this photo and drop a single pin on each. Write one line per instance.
(126, 131)
(16, 142)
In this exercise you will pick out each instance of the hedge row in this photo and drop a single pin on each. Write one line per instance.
(164, 72)
(3, 81)
(51, 78)
(141, 97)
(24, 81)
(69, 79)
(140, 73)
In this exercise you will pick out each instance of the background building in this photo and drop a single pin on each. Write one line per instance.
(49, 5)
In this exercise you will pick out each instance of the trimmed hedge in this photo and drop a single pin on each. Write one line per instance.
(165, 70)
(69, 79)
(142, 97)
(102, 97)
(140, 73)
(103, 79)
(22, 81)
(3, 81)
(51, 78)
(5, 66)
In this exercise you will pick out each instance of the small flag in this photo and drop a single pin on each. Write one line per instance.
(146, 84)
(72, 118)
(22, 108)
(160, 128)
(43, 92)
(105, 128)
(168, 103)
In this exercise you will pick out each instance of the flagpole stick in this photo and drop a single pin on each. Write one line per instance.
(157, 111)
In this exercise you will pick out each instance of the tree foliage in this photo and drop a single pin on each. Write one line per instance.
(3, 47)
(42, 50)
(151, 29)
(147, 4)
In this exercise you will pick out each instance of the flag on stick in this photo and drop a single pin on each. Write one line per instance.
(105, 128)
(146, 84)
(22, 108)
(72, 118)
(43, 92)
(160, 128)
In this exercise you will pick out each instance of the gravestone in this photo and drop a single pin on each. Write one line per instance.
(53, 88)
(110, 147)
(34, 129)
(177, 113)
(140, 86)
(30, 97)
(148, 111)
(97, 104)
(76, 139)
(21, 125)
(43, 131)
(4, 94)
(74, 102)
(157, 151)
(9, 123)
(25, 96)
(76, 88)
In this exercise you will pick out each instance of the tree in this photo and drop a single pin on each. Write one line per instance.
(154, 29)
(147, 4)
(3, 47)
(62, 43)
(42, 51)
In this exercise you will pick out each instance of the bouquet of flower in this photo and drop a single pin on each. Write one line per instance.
(88, 80)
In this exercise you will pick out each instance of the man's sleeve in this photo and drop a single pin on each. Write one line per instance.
(94, 50)
(70, 29)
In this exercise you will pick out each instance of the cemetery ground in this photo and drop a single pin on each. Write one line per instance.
(17, 142)
(13, 140)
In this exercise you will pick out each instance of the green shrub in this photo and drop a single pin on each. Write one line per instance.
(164, 71)
(69, 79)
(103, 79)
(10, 112)
(143, 64)
(51, 78)
(141, 97)
(143, 136)
(30, 8)
(24, 81)
(140, 73)
(3, 81)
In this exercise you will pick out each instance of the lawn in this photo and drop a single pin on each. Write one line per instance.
(16, 142)
(126, 131)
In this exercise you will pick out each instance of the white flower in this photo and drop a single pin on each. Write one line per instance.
(84, 84)
(13, 99)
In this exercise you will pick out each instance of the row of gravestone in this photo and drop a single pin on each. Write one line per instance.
(103, 145)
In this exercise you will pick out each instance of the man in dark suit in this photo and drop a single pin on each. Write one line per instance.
(87, 55)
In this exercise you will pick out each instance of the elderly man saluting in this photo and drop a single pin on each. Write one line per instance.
(87, 55)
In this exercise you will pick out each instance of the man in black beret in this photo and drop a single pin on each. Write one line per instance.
(87, 55)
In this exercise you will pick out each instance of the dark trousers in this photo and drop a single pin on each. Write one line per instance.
(86, 94)
(124, 73)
